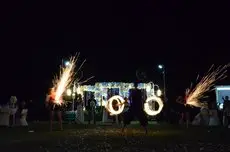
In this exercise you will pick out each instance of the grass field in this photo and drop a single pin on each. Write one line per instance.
(109, 138)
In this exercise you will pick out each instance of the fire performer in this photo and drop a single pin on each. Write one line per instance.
(126, 108)
(185, 115)
(226, 109)
(92, 105)
(60, 84)
(53, 109)
(136, 109)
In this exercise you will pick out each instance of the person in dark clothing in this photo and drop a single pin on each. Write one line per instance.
(226, 110)
(136, 109)
(185, 110)
(53, 108)
(115, 107)
(126, 108)
(91, 110)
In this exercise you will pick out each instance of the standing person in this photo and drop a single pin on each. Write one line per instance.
(21, 106)
(205, 117)
(80, 113)
(136, 109)
(226, 109)
(185, 114)
(23, 114)
(214, 119)
(126, 108)
(115, 118)
(53, 109)
(104, 112)
(13, 106)
(92, 106)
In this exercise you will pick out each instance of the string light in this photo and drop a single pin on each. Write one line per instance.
(100, 89)
(79, 90)
(68, 92)
(159, 93)
(148, 88)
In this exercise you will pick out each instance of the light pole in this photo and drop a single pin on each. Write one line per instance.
(162, 68)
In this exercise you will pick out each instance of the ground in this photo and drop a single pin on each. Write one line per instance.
(76, 137)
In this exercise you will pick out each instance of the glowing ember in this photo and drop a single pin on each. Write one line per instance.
(206, 84)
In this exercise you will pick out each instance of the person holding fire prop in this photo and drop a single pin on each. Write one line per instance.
(53, 109)
(185, 115)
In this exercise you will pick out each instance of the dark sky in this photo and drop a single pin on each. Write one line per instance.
(116, 38)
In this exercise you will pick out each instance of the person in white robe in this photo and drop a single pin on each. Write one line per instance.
(214, 119)
(23, 121)
(203, 117)
(13, 108)
(5, 115)
(23, 114)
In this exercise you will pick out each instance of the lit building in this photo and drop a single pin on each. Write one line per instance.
(104, 90)
(222, 92)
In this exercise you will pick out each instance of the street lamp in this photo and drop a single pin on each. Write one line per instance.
(67, 63)
(162, 68)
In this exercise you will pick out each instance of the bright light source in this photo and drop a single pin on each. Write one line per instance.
(221, 106)
(148, 88)
(68, 92)
(223, 88)
(78, 90)
(67, 63)
(103, 103)
(74, 88)
(149, 110)
(159, 93)
(160, 66)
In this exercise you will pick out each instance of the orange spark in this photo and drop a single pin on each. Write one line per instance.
(206, 84)
(64, 80)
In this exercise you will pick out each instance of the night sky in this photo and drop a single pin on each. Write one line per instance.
(116, 38)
